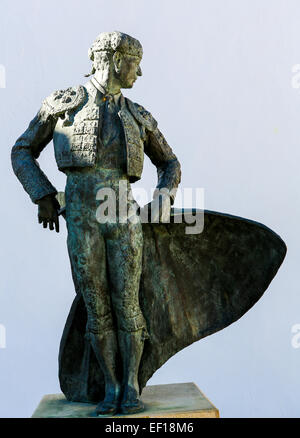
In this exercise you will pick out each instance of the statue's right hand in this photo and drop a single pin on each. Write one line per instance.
(48, 212)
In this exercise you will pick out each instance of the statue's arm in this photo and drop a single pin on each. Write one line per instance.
(25, 153)
(166, 162)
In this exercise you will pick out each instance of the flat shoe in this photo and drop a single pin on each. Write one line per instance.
(105, 408)
(132, 408)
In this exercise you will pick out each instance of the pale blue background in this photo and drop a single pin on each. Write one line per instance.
(217, 77)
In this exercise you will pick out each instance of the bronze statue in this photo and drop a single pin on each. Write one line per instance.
(100, 138)
(144, 291)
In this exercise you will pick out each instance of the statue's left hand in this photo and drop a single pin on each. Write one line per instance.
(48, 212)
(159, 209)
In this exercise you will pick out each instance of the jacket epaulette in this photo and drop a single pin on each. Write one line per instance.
(62, 101)
(142, 115)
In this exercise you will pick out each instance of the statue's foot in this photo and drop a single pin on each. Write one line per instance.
(107, 408)
(131, 403)
(132, 407)
(110, 405)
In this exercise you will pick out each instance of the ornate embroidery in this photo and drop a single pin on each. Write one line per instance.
(62, 101)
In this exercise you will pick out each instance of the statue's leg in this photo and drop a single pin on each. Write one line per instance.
(105, 348)
(87, 254)
(131, 346)
(125, 266)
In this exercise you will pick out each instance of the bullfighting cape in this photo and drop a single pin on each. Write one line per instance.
(192, 285)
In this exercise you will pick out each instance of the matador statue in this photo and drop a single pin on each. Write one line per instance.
(143, 290)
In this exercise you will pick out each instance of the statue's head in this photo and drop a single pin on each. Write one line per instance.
(118, 55)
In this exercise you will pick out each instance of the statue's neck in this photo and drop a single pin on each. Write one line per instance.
(108, 82)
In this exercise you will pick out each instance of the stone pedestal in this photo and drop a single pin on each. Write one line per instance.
(176, 400)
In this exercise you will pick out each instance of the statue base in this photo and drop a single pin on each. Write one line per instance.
(176, 400)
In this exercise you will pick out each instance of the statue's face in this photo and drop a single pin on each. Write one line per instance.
(129, 69)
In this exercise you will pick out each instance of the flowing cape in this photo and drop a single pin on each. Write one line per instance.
(192, 285)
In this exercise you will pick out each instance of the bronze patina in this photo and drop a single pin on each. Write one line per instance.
(143, 290)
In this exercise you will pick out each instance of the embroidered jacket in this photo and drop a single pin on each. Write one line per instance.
(72, 119)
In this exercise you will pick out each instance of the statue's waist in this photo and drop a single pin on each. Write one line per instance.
(97, 171)
(88, 186)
